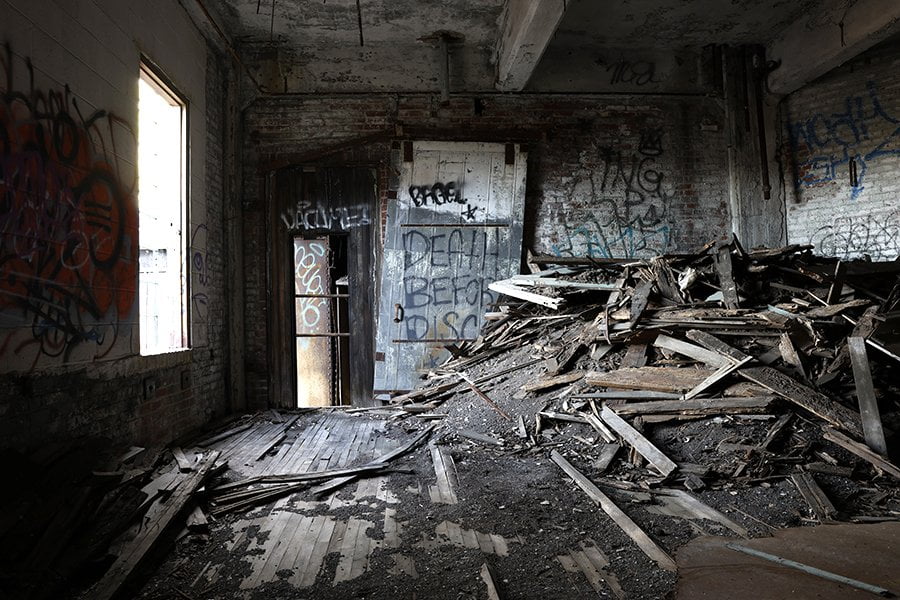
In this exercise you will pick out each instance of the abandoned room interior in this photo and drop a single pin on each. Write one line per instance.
(449, 299)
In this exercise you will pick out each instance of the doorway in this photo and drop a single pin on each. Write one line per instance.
(322, 272)
(321, 319)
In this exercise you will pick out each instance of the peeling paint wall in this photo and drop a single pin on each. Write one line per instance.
(69, 351)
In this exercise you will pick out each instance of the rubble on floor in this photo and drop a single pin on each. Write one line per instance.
(611, 412)
(722, 372)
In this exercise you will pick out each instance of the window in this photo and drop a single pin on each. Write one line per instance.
(162, 195)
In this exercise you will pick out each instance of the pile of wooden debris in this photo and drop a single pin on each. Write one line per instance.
(614, 353)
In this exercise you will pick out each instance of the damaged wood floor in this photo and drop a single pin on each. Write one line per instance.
(426, 528)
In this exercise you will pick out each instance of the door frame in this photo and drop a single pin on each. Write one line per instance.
(342, 186)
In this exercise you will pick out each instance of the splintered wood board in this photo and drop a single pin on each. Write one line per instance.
(659, 379)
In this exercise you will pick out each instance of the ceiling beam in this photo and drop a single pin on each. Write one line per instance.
(527, 27)
(813, 45)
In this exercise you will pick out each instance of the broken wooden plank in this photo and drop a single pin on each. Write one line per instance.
(446, 479)
(720, 374)
(710, 342)
(297, 477)
(701, 510)
(865, 393)
(725, 269)
(790, 355)
(703, 406)
(644, 447)
(551, 382)
(135, 550)
(661, 379)
(520, 280)
(837, 282)
(561, 416)
(814, 496)
(665, 279)
(611, 303)
(805, 397)
(224, 435)
(507, 288)
(775, 430)
(607, 454)
(595, 422)
(862, 451)
(628, 395)
(383, 459)
(635, 356)
(197, 521)
(639, 300)
(825, 312)
(484, 396)
(488, 577)
(709, 357)
(130, 454)
(631, 529)
(521, 431)
(479, 437)
(184, 465)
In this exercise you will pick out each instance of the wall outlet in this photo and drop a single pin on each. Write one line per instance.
(149, 388)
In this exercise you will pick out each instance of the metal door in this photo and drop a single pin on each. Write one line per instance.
(455, 226)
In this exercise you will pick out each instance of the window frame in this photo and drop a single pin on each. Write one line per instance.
(150, 72)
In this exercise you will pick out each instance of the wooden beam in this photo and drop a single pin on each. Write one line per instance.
(704, 406)
(865, 393)
(508, 289)
(711, 358)
(720, 374)
(814, 496)
(654, 456)
(135, 550)
(527, 27)
(630, 528)
(862, 451)
(805, 397)
(660, 379)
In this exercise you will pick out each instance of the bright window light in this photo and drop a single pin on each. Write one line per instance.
(162, 154)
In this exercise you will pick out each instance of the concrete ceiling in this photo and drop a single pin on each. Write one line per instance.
(677, 23)
(329, 23)
(314, 45)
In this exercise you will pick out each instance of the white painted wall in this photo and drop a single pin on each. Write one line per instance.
(88, 52)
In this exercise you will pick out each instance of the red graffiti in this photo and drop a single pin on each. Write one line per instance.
(68, 222)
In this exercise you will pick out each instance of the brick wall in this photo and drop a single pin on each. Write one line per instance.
(605, 177)
(849, 117)
(58, 379)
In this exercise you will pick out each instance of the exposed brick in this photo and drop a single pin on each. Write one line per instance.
(851, 114)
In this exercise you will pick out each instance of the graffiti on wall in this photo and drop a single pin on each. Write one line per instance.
(636, 72)
(824, 144)
(311, 278)
(200, 280)
(68, 225)
(440, 194)
(445, 281)
(852, 237)
(625, 197)
(310, 217)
